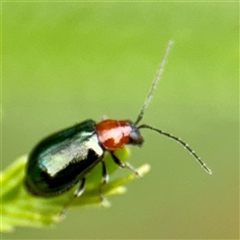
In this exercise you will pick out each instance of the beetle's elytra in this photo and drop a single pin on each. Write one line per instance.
(64, 159)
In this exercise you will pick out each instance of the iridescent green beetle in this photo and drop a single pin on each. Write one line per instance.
(64, 159)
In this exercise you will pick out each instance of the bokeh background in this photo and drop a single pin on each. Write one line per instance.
(64, 62)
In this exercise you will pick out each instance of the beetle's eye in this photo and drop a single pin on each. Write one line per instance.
(136, 137)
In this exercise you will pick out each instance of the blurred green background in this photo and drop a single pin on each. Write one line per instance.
(65, 62)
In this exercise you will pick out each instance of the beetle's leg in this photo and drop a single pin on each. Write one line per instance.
(104, 180)
(80, 190)
(104, 117)
(77, 193)
(124, 165)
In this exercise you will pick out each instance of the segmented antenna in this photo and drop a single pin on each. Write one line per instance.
(155, 82)
(185, 145)
(147, 101)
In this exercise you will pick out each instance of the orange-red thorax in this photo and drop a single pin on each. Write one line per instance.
(114, 134)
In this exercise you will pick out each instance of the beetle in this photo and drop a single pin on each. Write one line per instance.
(64, 159)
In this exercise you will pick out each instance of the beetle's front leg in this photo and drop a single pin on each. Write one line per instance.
(125, 165)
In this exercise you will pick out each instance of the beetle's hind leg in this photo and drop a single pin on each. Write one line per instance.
(77, 193)
(104, 181)
(80, 190)
(124, 165)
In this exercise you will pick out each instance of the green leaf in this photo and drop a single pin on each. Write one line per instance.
(19, 208)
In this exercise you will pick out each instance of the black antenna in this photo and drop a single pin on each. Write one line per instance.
(147, 101)
(155, 82)
(185, 145)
